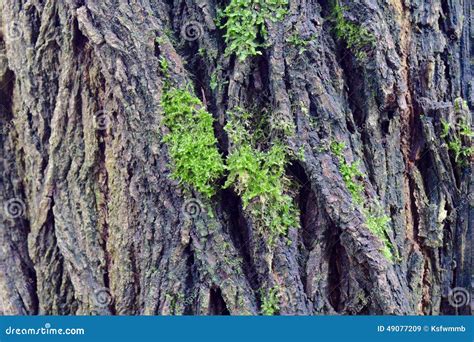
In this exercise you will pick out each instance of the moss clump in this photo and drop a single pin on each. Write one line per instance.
(270, 302)
(298, 42)
(259, 178)
(357, 39)
(257, 174)
(245, 24)
(458, 136)
(192, 144)
(350, 172)
(376, 220)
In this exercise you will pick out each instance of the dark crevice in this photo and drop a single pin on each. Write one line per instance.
(79, 41)
(35, 19)
(356, 85)
(261, 81)
(136, 277)
(431, 182)
(326, 6)
(33, 290)
(217, 304)
(445, 10)
(350, 125)
(385, 127)
(360, 106)
(447, 74)
(240, 234)
(414, 209)
(7, 83)
(306, 201)
(313, 109)
(308, 214)
(335, 252)
(190, 281)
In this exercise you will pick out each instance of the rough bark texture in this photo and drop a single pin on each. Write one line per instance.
(102, 228)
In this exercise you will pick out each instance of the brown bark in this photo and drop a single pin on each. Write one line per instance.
(101, 226)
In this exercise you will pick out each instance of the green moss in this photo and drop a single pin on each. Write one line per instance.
(350, 172)
(270, 302)
(191, 141)
(164, 68)
(460, 104)
(376, 220)
(357, 38)
(213, 82)
(245, 24)
(298, 42)
(445, 128)
(458, 137)
(259, 178)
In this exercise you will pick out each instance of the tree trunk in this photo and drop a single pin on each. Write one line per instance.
(95, 222)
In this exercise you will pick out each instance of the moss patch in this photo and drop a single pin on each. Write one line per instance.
(270, 301)
(358, 39)
(375, 218)
(192, 144)
(458, 136)
(245, 24)
(259, 178)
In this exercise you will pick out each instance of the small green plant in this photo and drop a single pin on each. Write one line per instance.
(213, 82)
(245, 27)
(376, 220)
(270, 301)
(299, 42)
(259, 178)
(465, 130)
(350, 172)
(357, 39)
(445, 128)
(164, 66)
(458, 137)
(192, 144)
(460, 105)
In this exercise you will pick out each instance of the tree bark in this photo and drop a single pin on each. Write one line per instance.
(93, 223)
